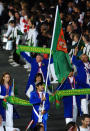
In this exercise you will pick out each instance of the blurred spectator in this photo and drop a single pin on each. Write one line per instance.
(86, 49)
(85, 120)
(72, 126)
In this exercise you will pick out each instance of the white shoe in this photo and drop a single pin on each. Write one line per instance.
(10, 57)
(10, 60)
(29, 69)
(4, 47)
(26, 66)
(14, 64)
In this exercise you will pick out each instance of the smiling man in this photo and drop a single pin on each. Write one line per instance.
(85, 119)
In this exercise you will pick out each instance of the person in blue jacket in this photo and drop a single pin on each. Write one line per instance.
(83, 76)
(32, 87)
(41, 105)
(5, 91)
(72, 104)
(38, 65)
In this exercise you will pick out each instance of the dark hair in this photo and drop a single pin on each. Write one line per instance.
(39, 54)
(39, 75)
(71, 125)
(12, 11)
(12, 22)
(87, 37)
(39, 84)
(2, 80)
(85, 116)
(42, 17)
(33, 21)
(72, 69)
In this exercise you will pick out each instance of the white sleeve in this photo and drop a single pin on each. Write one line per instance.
(29, 91)
(84, 50)
(1, 97)
(35, 38)
(9, 31)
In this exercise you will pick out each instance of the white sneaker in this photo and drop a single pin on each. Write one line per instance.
(10, 57)
(29, 69)
(26, 66)
(10, 60)
(4, 47)
(15, 65)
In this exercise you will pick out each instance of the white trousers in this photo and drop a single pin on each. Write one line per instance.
(9, 115)
(84, 106)
(74, 118)
(9, 45)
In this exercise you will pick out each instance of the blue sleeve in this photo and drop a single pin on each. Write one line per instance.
(34, 99)
(51, 61)
(28, 58)
(47, 103)
(82, 83)
(47, 61)
(75, 61)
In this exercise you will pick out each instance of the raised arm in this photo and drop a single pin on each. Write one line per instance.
(28, 58)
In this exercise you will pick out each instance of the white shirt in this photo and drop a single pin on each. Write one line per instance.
(87, 67)
(22, 23)
(41, 107)
(84, 129)
(32, 36)
(86, 49)
(1, 8)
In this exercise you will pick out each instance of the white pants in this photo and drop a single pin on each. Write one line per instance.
(9, 115)
(74, 115)
(84, 106)
(9, 45)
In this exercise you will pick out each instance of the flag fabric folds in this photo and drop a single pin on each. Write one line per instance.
(61, 59)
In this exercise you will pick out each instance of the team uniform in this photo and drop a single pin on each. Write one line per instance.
(39, 106)
(7, 114)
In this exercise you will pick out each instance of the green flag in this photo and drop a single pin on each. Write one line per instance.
(61, 59)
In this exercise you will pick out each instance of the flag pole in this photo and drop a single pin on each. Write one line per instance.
(51, 48)
(79, 40)
(13, 87)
